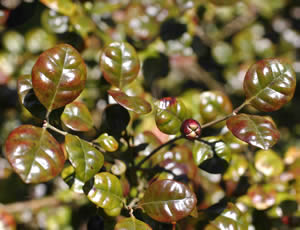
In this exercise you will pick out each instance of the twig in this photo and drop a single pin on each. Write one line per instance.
(47, 125)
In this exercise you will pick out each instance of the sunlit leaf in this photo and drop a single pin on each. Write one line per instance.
(66, 7)
(131, 223)
(168, 201)
(107, 191)
(269, 84)
(170, 113)
(212, 160)
(132, 103)
(77, 116)
(119, 63)
(107, 142)
(34, 154)
(268, 163)
(86, 159)
(255, 130)
(58, 76)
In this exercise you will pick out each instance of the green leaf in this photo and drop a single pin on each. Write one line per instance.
(255, 130)
(58, 76)
(238, 166)
(268, 163)
(168, 201)
(214, 105)
(131, 223)
(212, 161)
(269, 84)
(107, 191)
(34, 154)
(223, 2)
(119, 63)
(54, 22)
(107, 142)
(170, 113)
(132, 103)
(24, 85)
(77, 117)
(86, 159)
(66, 7)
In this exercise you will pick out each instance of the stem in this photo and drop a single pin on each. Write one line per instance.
(174, 226)
(234, 112)
(47, 125)
(156, 150)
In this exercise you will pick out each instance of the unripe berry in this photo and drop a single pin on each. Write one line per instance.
(191, 129)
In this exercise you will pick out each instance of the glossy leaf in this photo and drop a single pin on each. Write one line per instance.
(24, 86)
(212, 161)
(268, 163)
(34, 154)
(107, 191)
(255, 130)
(213, 105)
(170, 113)
(131, 223)
(66, 7)
(168, 201)
(77, 117)
(107, 142)
(269, 84)
(119, 63)
(86, 159)
(132, 103)
(58, 76)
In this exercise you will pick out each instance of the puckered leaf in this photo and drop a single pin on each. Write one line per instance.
(119, 63)
(168, 201)
(255, 130)
(132, 103)
(86, 159)
(77, 116)
(269, 84)
(58, 76)
(212, 160)
(34, 154)
(170, 113)
(131, 223)
(106, 192)
(268, 163)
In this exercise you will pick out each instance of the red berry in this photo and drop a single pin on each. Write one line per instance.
(191, 129)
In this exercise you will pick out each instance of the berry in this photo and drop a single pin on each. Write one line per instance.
(191, 129)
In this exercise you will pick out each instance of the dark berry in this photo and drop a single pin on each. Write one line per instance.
(191, 129)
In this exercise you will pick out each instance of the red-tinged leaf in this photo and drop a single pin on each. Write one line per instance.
(86, 159)
(34, 154)
(119, 63)
(77, 117)
(24, 86)
(255, 130)
(132, 103)
(168, 201)
(107, 191)
(269, 84)
(170, 113)
(132, 223)
(58, 76)
(7, 221)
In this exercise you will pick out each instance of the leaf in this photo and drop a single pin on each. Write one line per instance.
(107, 142)
(170, 113)
(58, 76)
(34, 154)
(7, 221)
(107, 191)
(24, 86)
(269, 84)
(77, 117)
(255, 130)
(66, 7)
(86, 159)
(119, 64)
(214, 105)
(132, 103)
(207, 159)
(268, 163)
(168, 201)
(223, 2)
(131, 223)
